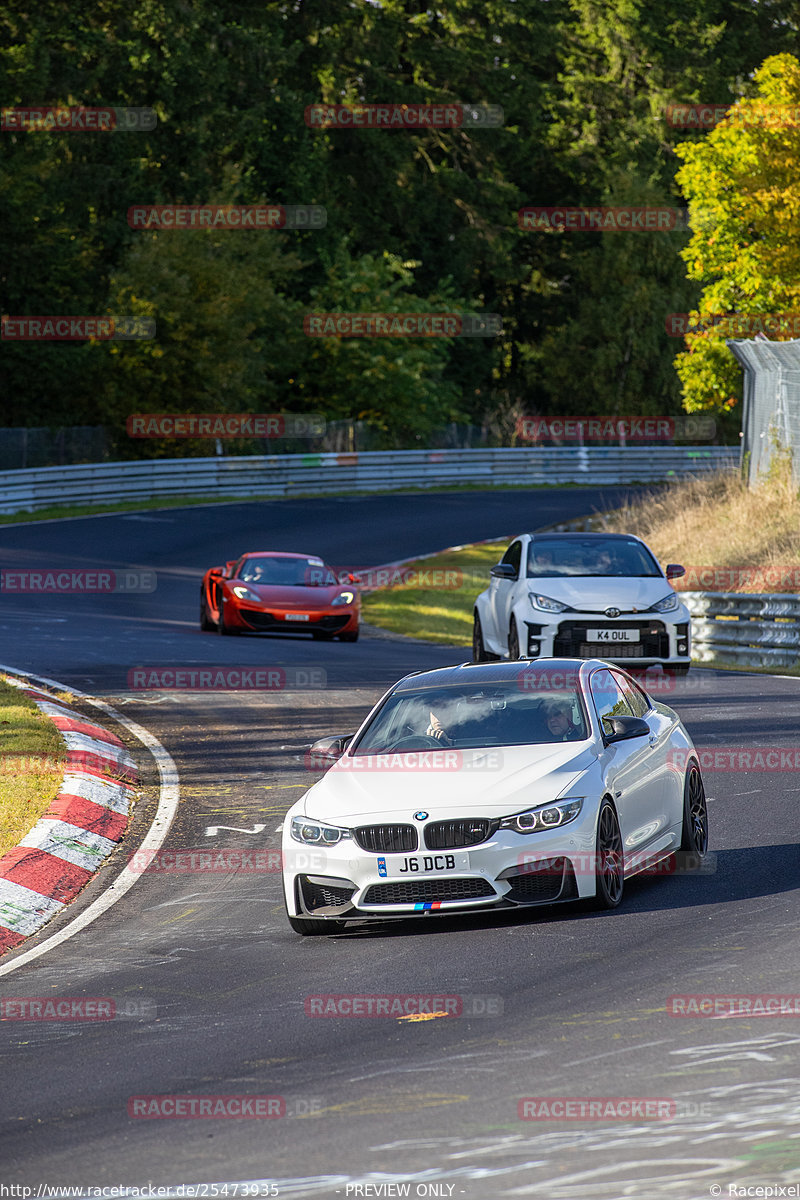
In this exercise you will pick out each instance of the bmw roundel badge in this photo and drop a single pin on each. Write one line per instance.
(420, 816)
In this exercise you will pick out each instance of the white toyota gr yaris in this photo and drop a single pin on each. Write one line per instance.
(492, 786)
(584, 594)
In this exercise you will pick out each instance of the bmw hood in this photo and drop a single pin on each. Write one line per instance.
(444, 783)
(596, 595)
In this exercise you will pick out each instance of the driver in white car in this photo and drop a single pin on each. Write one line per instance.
(560, 723)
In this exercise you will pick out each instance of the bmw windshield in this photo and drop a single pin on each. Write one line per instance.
(536, 708)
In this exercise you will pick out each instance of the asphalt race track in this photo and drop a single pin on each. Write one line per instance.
(569, 1003)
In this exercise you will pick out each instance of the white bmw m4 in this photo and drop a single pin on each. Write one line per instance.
(494, 786)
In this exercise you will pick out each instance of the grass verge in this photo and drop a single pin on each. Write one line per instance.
(441, 612)
(32, 755)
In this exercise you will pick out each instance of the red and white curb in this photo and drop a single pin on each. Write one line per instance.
(59, 856)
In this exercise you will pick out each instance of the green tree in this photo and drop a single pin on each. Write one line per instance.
(398, 384)
(743, 186)
(227, 338)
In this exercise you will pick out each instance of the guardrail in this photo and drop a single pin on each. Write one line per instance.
(746, 630)
(287, 475)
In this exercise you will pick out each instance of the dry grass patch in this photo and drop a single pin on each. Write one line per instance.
(32, 757)
(718, 522)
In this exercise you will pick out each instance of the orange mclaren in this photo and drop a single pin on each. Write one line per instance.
(274, 592)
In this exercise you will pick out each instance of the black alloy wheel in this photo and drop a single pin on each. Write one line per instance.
(609, 865)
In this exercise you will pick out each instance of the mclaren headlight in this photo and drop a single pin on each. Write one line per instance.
(244, 593)
(544, 816)
(343, 598)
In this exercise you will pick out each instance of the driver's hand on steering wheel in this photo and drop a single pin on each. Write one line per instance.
(435, 730)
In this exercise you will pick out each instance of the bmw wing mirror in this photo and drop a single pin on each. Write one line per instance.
(675, 570)
(328, 750)
(625, 728)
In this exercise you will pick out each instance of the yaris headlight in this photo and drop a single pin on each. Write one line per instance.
(343, 598)
(544, 816)
(245, 594)
(316, 833)
(668, 604)
(545, 604)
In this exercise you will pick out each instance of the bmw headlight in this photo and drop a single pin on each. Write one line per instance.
(668, 604)
(545, 604)
(245, 594)
(544, 816)
(315, 833)
(343, 598)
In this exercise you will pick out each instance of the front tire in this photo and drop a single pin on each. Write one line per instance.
(676, 668)
(609, 863)
(513, 640)
(479, 652)
(206, 624)
(695, 814)
(349, 637)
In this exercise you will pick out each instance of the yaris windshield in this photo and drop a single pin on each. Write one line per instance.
(532, 709)
(573, 557)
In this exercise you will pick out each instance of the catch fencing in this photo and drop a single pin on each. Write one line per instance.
(771, 409)
(288, 475)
